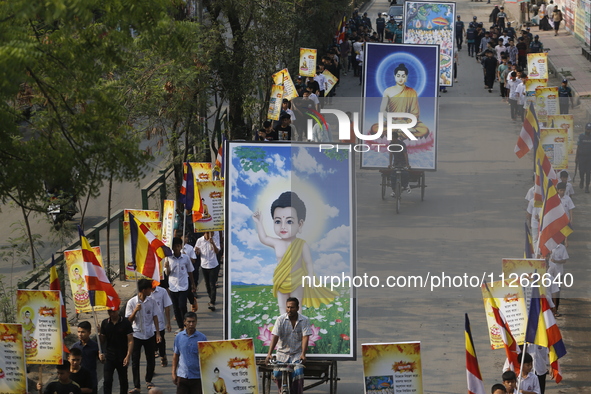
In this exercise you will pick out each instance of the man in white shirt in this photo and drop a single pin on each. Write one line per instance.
(520, 90)
(179, 267)
(207, 248)
(163, 304)
(513, 96)
(141, 312)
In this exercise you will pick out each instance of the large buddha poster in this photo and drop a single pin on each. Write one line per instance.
(289, 227)
(401, 79)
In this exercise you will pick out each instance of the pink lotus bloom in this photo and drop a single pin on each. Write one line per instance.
(265, 335)
(314, 336)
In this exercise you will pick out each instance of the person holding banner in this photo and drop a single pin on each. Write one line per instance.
(291, 331)
(141, 312)
(179, 268)
(186, 371)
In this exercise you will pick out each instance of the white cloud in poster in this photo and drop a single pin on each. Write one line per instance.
(336, 240)
(331, 264)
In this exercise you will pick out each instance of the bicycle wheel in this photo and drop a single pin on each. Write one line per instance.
(398, 193)
(384, 185)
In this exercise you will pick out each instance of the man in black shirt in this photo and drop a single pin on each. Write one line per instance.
(490, 64)
(398, 158)
(116, 336)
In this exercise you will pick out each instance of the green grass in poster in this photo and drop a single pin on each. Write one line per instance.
(254, 311)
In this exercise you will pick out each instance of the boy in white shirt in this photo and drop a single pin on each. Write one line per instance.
(527, 381)
(569, 186)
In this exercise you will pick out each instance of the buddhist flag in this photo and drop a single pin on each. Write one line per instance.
(529, 245)
(54, 284)
(511, 347)
(475, 383)
(219, 160)
(529, 133)
(100, 290)
(543, 331)
(554, 223)
(544, 172)
(146, 250)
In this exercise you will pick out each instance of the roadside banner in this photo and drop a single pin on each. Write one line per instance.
(275, 102)
(76, 272)
(537, 64)
(555, 144)
(228, 367)
(13, 375)
(392, 368)
(38, 311)
(212, 198)
(283, 78)
(331, 80)
(511, 301)
(308, 60)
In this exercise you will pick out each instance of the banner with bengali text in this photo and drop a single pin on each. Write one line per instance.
(284, 78)
(525, 272)
(555, 145)
(308, 60)
(566, 122)
(511, 301)
(13, 375)
(168, 216)
(38, 311)
(392, 368)
(275, 102)
(546, 103)
(537, 64)
(76, 271)
(228, 367)
(331, 81)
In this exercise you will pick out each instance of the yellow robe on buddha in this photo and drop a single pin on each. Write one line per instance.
(285, 281)
(219, 386)
(407, 101)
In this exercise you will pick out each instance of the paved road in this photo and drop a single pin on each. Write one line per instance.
(472, 217)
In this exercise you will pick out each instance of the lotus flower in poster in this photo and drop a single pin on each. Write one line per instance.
(265, 334)
(314, 337)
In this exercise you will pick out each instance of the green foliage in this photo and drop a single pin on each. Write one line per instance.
(339, 155)
(252, 158)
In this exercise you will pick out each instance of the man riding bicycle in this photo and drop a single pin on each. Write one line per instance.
(291, 332)
(398, 159)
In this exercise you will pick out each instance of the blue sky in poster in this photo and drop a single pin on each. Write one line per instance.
(321, 182)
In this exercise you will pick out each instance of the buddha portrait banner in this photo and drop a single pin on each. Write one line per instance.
(13, 369)
(289, 227)
(401, 85)
(76, 272)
